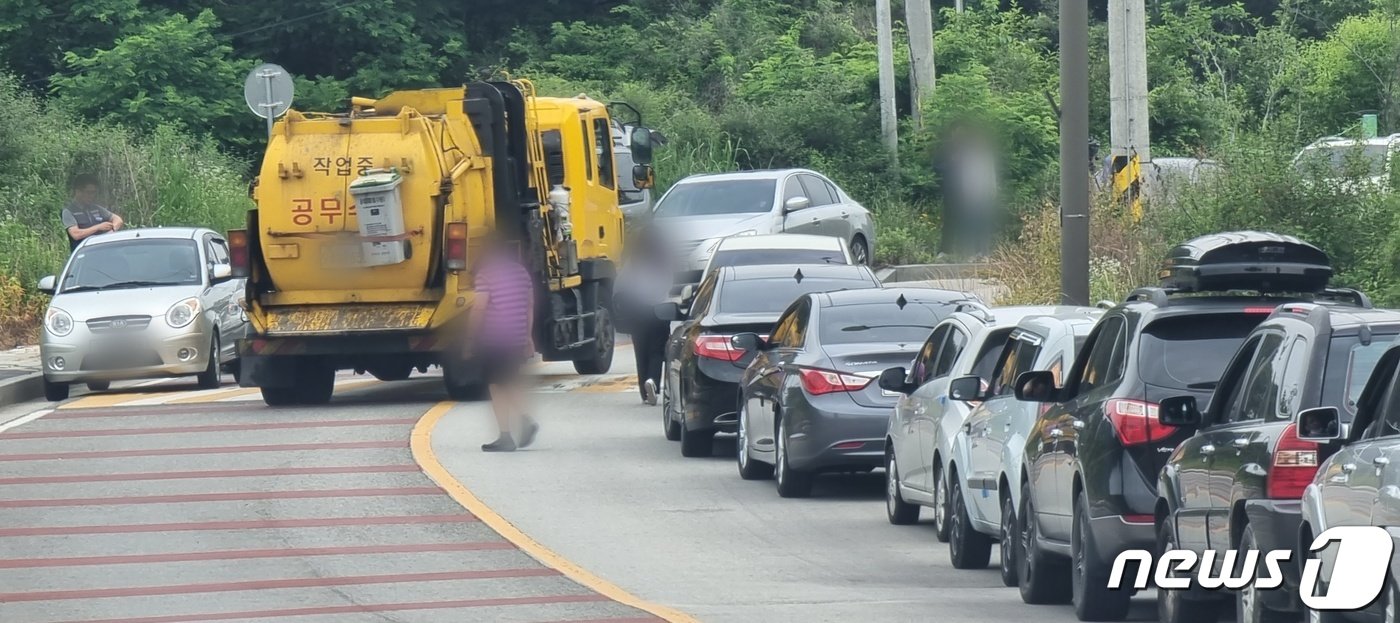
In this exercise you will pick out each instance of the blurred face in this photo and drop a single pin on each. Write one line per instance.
(86, 193)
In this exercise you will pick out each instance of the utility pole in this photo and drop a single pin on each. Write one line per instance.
(1074, 152)
(919, 16)
(957, 6)
(889, 128)
(1127, 94)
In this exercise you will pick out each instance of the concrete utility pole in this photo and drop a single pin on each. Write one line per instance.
(889, 128)
(1074, 152)
(958, 6)
(1127, 90)
(919, 16)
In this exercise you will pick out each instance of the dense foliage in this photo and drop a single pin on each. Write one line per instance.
(732, 83)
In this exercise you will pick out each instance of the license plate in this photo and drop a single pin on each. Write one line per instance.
(342, 255)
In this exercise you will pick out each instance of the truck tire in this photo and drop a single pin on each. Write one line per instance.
(315, 383)
(462, 381)
(597, 359)
(279, 396)
(392, 372)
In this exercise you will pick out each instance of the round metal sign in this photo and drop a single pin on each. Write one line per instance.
(268, 91)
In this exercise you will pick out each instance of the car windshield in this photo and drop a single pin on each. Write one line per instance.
(135, 263)
(755, 257)
(884, 323)
(1368, 160)
(1349, 366)
(708, 198)
(1191, 352)
(772, 296)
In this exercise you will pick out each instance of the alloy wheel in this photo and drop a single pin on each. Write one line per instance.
(891, 483)
(743, 441)
(781, 468)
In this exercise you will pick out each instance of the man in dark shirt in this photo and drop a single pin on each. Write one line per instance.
(83, 217)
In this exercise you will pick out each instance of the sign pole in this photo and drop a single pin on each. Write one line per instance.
(270, 105)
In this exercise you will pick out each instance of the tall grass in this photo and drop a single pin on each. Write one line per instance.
(165, 178)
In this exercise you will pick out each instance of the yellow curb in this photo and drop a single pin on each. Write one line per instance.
(422, 446)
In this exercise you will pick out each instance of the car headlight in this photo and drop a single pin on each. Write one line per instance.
(58, 322)
(183, 313)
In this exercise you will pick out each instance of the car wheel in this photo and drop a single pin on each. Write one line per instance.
(99, 386)
(1093, 600)
(968, 548)
(599, 358)
(1010, 543)
(669, 422)
(1041, 578)
(941, 520)
(1249, 602)
(1177, 605)
(55, 391)
(315, 383)
(791, 483)
(697, 443)
(900, 513)
(235, 368)
(860, 251)
(210, 377)
(749, 469)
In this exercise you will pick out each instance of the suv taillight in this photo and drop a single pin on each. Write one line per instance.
(1294, 465)
(818, 382)
(454, 253)
(717, 347)
(1135, 421)
(238, 252)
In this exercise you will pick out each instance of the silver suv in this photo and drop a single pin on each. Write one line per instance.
(142, 303)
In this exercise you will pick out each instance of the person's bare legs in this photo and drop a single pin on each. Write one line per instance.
(501, 408)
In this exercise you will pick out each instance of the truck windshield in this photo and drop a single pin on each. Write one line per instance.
(136, 263)
(718, 197)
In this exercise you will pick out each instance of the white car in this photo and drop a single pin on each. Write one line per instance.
(777, 249)
(921, 429)
(1335, 158)
(700, 211)
(984, 463)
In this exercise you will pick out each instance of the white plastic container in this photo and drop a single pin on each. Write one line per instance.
(379, 209)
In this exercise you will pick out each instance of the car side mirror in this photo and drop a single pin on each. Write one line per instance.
(640, 142)
(1320, 425)
(966, 389)
(1037, 386)
(220, 273)
(896, 380)
(668, 311)
(1179, 412)
(795, 204)
(48, 284)
(748, 342)
(687, 293)
(643, 176)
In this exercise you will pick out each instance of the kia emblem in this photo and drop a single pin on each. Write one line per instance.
(119, 323)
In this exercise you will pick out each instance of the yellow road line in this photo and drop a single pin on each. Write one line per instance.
(422, 445)
(224, 394)
(107, 400)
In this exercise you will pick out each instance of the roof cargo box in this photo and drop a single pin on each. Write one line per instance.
(1246, 260)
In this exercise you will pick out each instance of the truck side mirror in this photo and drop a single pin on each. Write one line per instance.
(643, 176)
(1179, 411)
(1320, 424)
(641, 145)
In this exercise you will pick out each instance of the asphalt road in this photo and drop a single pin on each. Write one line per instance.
(159, 503)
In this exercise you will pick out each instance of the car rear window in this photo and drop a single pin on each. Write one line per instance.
(1349, 366)
(757, 257)
(884, 323)
(772, 296)
(1191, 352)
(708, 198)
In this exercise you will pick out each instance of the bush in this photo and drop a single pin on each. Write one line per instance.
(164, 178)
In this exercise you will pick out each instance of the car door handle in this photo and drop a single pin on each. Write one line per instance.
(1348, 468)
(1207, 449)
(1380, 461)
(1240, 442)
(967, 426)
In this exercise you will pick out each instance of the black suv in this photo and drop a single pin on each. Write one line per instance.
(1235, 484)
(1089, 481)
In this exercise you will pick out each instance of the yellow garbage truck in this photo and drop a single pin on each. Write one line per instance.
(360, 251)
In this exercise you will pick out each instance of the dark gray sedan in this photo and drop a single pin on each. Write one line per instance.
(809, 400)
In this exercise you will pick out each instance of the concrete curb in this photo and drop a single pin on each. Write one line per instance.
(22, 388)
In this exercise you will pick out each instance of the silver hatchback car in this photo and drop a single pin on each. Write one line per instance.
(142, 303)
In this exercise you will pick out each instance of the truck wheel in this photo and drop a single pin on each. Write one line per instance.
(392, 372)
(279, 396)
(462, 381)
(315, 383)
(598, 358)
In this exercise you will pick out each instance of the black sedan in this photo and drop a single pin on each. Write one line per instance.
(810, 400)
(703, 367)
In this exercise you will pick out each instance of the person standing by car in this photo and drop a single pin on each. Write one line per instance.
(499, 333)
(82, 217)
(645, 280)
